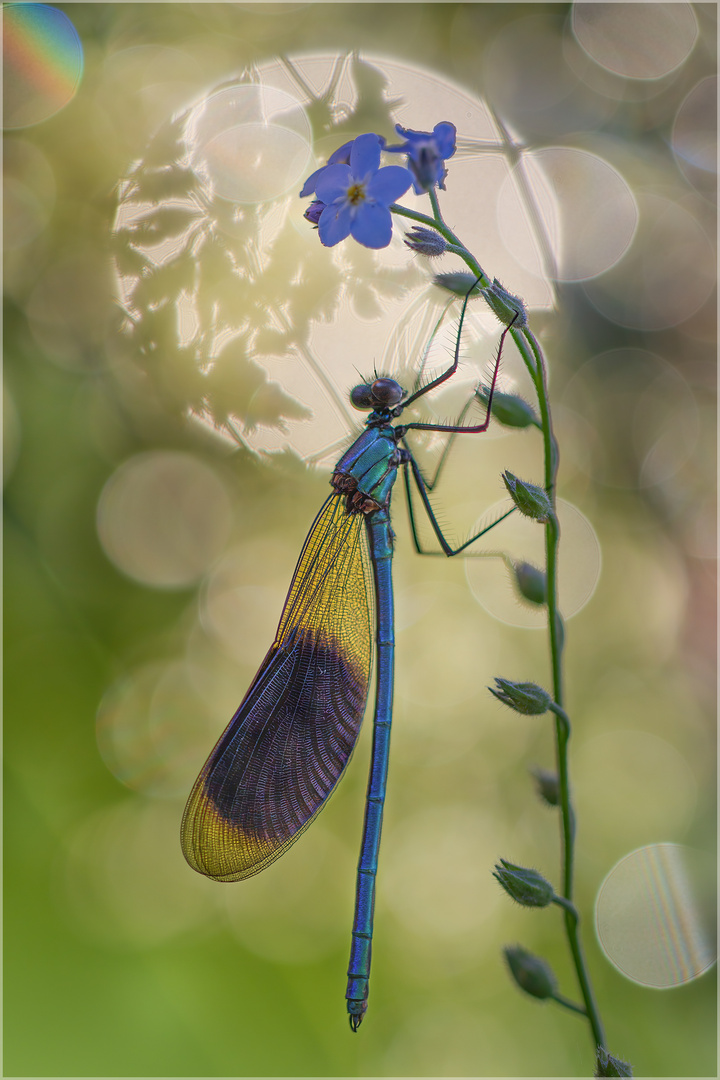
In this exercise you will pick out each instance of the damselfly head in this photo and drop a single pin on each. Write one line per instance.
(380, 394)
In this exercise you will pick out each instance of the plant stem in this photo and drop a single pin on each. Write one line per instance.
(532, 355)
(562, 723)
(536, 367)
(562, 732)
(439, 225)
(568, 1004)
(436, 206)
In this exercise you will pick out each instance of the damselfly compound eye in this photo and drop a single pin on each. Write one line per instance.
(361, 397)
(386, 392)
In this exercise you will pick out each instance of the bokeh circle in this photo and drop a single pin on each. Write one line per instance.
(655, 915)
(519, 539)
(163, 517)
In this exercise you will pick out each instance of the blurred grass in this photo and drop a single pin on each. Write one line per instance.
(91, 989)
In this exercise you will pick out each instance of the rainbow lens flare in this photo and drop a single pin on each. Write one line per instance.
(42, 63)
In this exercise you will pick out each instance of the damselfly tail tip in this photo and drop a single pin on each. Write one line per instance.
(356, 1019)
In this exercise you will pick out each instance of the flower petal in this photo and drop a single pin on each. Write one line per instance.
(411, 137)
(334, 224)
(334, 183)
(365, 156)
(309, 185)
(372, 225)
(341, 156)
(389, 184)
(445, 134)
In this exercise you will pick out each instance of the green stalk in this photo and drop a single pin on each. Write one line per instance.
(562, 723)
(531, 353)
(567, 1004)
(536, 367)
(439, 225)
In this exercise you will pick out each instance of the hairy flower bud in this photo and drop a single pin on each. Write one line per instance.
(509, 409)
(607, 1065)
(425, 241)
(458, 282)
(526, 698)
(531, 973)
(528, 887)
(508, 308)
(530, 500)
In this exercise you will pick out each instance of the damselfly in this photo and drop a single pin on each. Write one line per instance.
(288, 744)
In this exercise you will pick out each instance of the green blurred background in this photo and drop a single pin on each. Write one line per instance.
(146, 556)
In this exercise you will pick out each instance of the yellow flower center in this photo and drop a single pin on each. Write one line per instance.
(356, 194)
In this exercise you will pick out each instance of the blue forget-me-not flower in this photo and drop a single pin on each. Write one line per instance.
(356, 195)
(427, 153)
(341, 156)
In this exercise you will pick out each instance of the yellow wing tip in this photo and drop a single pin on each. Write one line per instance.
(219, 849)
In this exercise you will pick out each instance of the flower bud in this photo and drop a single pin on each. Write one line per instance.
(509, 409)
(314, 210)
(531, 973)
(530, 582)
(528, 887)
(529, 499)
(425, 241)
(607, 1065)
(548, 786)
(458, 282)
(508, 308)
(526, 698)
